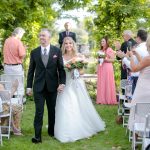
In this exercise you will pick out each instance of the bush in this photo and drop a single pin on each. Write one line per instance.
(91, 87)
(91, 68)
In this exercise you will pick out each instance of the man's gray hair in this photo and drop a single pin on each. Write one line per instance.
(128, 32)
(46, 30)
(18, 31)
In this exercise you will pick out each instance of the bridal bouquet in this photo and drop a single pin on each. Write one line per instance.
(76, 63)
(101, 56)
(76, 66)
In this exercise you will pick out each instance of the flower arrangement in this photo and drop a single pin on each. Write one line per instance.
(76, 63)
(101, 56)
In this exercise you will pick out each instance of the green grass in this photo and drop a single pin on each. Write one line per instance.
(112, 138)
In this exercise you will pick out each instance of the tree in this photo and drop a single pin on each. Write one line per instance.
(73, 4)
(29, 14)
(113, 16)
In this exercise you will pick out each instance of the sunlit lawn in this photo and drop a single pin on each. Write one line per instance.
(112, 138)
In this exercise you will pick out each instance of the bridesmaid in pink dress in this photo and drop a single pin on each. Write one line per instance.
(106, 91)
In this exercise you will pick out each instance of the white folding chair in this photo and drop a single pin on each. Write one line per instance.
(146, 136)
(127, 105)
(12, 78)
(1, 140)
(19, 94)
(5, 97)
(122, 97)
(140, 111)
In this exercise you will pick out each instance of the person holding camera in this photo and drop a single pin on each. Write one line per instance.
(141, 49)
(128, 40)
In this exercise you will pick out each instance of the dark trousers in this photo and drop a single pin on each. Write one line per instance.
(134, 81)
(39, 98)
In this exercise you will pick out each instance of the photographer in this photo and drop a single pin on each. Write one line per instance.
(141, 49)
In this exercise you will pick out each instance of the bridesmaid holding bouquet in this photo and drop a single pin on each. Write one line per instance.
(106, 91)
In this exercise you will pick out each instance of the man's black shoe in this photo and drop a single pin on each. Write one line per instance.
(50, 133)
(36, 140)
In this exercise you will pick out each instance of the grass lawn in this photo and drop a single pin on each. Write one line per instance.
(112, 138)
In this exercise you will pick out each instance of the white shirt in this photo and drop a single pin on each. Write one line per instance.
(141, 49)
(42, 50)
(47, 49)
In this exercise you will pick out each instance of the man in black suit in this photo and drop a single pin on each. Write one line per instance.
(66, 33)
(47, 71)
(127, 36)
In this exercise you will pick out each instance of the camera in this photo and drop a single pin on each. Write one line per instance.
(129, 45)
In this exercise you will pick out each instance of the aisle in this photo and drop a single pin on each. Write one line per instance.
(112, 138)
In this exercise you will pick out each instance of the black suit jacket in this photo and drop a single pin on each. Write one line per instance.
(53, 74)
(124, 46)
(62, 35)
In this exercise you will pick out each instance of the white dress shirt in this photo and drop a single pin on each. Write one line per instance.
(47, 49)
(141, 49)
(42, 50)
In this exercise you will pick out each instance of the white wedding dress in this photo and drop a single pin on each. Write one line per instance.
(76, 117)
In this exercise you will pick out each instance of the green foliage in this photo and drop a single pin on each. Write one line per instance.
(91, 87)
(72, 4)
(91, 68)
(32, 15)
(117, 74)
(113, 16)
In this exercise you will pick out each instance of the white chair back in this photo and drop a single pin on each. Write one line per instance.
(128, 90)
(5, 98)
(12, 78)
(147, 126)
(142, 109)
(123, 83)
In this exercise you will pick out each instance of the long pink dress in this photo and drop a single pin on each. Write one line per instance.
(106, 91)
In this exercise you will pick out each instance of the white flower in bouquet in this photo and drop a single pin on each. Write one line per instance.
(101, 57)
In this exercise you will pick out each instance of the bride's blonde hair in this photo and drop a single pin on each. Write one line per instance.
(74, 49)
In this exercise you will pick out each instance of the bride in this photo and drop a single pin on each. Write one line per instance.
(76, 117)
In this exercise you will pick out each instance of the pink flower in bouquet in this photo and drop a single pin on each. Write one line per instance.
(68, 66)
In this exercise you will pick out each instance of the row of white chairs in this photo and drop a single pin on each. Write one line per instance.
(141, 128)
(5, 99)
(123, 103)
(124, 109)
(5, 95)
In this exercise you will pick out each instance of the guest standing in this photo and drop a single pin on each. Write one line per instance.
(106, 91)
(127, 36)
(66, 33)
(142, 89)
(141, 49)
(14, 53)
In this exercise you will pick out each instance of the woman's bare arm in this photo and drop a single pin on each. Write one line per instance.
(145, 62)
